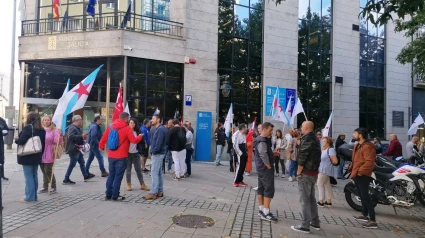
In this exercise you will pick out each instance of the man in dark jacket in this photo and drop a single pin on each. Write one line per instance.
(395, 149)
(4, 130)
(220, 140)
(364, 156)
(73, 143)
(308, 168)
(264, 161)
(93, 138)
(158, 149)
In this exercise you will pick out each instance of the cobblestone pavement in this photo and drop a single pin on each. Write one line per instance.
(81, 210)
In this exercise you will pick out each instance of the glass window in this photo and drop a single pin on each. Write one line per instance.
(225, 45)
(363, 73)
(239, 86)
(225, 18)
(256, 24)
(327, 12)
(314, 65)
(255, 57)
(241, 21)
(326, 68)
(240, 54)
(257, 4)
(316, 9)
(303, 10)
(363, 47)
(243, 2)
(380, 75)
(302, 34)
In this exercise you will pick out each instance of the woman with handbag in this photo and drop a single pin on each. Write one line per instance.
(31, 141)
(48, 159)
(326, 170)
(279, 144)
(134, 158)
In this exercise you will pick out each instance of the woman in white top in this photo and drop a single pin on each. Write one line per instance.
(279, 144)
(134, 158)
(326, 169)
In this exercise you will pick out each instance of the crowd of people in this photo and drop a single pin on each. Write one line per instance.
(300, 155)
(303, 156)
(134, 145)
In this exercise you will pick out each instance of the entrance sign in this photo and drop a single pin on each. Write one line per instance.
(203, 136)
(284, 95)
(188, 99)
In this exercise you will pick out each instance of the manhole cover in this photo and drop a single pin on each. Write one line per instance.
(193, 221)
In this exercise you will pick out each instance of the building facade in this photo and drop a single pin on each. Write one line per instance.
(162, 50)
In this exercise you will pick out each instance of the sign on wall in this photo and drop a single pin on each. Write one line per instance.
(203, 136)
(284, 95)
(188, 100)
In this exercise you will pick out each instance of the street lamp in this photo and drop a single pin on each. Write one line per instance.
(225, 89)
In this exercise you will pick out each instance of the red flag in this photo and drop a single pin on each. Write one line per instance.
(250, 136)
(181, 121)
(118, 106)
(56, 10)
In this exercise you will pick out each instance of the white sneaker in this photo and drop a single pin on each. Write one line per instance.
(276, 175)
(247, 174)
(283, 176)
(290, 179)
(256, 188)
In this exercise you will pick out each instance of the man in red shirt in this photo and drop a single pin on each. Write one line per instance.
(118, 158)
(395, 149)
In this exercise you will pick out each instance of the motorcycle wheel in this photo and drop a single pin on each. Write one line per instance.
(421, 198)
(353, 201)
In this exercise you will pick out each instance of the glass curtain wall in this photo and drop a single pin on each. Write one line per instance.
(314, 60)
(240, 45)
(372, 76)
(154, 84)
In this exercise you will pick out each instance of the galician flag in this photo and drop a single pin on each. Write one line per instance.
(414, 127)
(118, 106)
(250, 135)
(275, 101)
(229, 121)
(288, 112)
(298, 108)
(277, 114)
(328, 125)
(59, 119)
(74, 99)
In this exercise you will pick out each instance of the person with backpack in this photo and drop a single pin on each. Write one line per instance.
(74, 143)
(326, 170)
(93, 138)
(177, 146)
(118, 135)
(158, 149)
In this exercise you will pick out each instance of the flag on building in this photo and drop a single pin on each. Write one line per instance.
(127, 17)
(55, 6)
(118, 106)
(127, 109)
(275, 101)
(298, 108)
(328, 126)
(90, 8)
(59, 119)
(288, 112)
(22, 10)
(74, 99)
(65, 21)
(229, 121)
(414, 127)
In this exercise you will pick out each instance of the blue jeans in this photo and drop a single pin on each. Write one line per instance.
(188, 161)
(218, 154)
(170, 159)
(95, 152)
(117, 168)
(73, 161)
(341, 167)
(157, 175)
(31, 182)
(293, 168)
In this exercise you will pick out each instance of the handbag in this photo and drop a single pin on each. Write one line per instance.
(32, 146)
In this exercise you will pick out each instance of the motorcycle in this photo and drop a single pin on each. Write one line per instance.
(396, 184)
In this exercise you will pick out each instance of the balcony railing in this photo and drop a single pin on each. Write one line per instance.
(109, 21)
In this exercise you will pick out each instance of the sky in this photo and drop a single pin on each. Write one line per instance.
(6, 15)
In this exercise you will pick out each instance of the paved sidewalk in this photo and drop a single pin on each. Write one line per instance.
(80, 211)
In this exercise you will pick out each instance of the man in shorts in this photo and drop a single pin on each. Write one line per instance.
(264, 161)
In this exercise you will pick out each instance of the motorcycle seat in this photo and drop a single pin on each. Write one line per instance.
(385, 170)
(386, 176)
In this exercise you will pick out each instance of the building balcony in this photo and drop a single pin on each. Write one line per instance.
(104, 22)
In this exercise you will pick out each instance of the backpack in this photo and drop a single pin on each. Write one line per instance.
(113, 139)
(337, 157)
(181, 138)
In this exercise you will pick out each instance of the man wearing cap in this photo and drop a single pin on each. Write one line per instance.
(73, 143)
